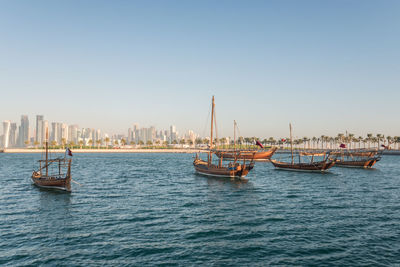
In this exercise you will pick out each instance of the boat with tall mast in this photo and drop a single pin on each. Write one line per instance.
(233, 169)
(319, 162)
(357, 158)
(51, 172)
(256, 155)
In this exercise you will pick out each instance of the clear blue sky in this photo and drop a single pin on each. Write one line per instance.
(325, 66)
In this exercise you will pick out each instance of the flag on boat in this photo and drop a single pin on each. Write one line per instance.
(259, 144)
(342, 146)
(384, 146)
(69, 152)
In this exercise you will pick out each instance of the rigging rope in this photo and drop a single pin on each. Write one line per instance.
(206, 122)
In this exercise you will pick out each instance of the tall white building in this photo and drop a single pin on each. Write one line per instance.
(73, 133)
(45, 129)
(64, 132)
(173, 135)
(6, 133)
(39, 136)
(13, 135)
(23, 131)
(56, 132)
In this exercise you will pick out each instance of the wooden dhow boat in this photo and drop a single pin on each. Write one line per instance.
(51, 172)
(256, 155)
(319, 162)
(357, 158)
(234, 169)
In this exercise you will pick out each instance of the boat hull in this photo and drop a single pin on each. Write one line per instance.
(320, 166)
(357, 164)
(248, 155)
(212, 170)
(55, 182)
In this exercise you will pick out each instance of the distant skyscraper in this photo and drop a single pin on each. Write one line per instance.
(55, 132)
(23, 130)
(173, 135)
(73, 133)
(13, 135)
(130, 136)
(6, 133)
(39, 129)
(64, 132)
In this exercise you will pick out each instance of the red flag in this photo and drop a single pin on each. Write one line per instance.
(283, 140)
(69, 152)
(259, 144)
(342, 146)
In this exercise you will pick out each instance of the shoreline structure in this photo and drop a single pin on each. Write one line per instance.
(121, 150)
(140, 150)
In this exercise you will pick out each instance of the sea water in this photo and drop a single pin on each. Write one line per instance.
(150, 209)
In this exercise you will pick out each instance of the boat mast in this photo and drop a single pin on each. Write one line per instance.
(291, 142)
(212, 124)
(47, 151)
(234, 135)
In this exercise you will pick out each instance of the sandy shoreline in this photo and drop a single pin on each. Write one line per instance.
(138, 150)
(128, 150)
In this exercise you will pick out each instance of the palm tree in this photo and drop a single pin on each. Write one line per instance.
(182, 142)
(313, 139)
(397, 140)
(380, 138)
(107, 139)
(26, 142)
(63, 142)
(369, 139)
(240, 141)
(198, 141)
(305, 139)
(98, 142)
(53, 143)
(123, 142)
(72, 144)
(165, 143)
(141, 143)
(36, 143)
(389, 140)
(374, 140)
(322, 141)
(116, 142)
(149, 143)
(359, 140)
(90, 142)
(132, 143)
(80, 143)
(350, 139)
(158, 142)
(272, 141)
(365, 141)
(246, 141)
(340, 137)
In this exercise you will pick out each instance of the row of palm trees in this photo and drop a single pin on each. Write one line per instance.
(322, 142)
(107, 142)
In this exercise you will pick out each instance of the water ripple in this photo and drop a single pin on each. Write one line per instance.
(150, 209)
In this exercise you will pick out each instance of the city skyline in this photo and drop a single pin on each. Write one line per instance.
(326, 67)
(62, 133)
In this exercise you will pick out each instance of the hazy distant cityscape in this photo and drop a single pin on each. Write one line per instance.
(28, 135)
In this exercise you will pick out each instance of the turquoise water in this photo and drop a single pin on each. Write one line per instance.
(149, 209)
